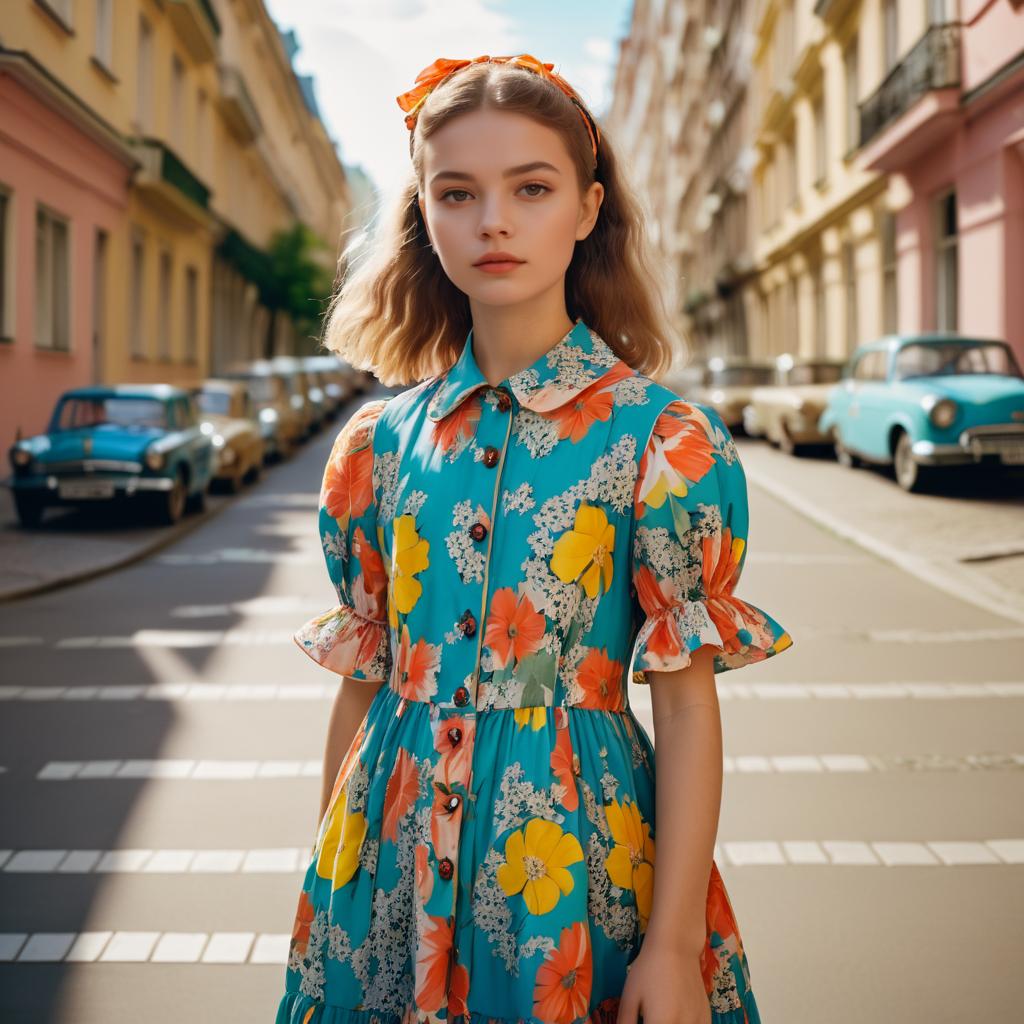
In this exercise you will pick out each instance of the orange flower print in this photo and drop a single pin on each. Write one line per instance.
(679, 452)
(417, 667)
(402, 789)
(432, 963)
(444, 823)
(424, 876)
(459, 425)
(561, 990)
(458, 992)
(600, 678)
(303, 919)
(562, 766)
(455, 756)
(591, 404)
(514, 627)
(370, 593)
(347, 488)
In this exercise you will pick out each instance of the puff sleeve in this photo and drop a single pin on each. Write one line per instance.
(353, 637)
(689, 545)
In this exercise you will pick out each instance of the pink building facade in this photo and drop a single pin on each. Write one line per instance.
(64, 179)
(950, 120)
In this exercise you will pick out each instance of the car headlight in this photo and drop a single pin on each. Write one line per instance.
(942, 412)
(20, 456)
(296, 401)
(156, 461)
(218, 441)
(268, 415)
(206, 427)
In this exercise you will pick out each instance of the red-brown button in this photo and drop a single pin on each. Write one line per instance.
(468, 623)
(461, 696)
(491, 456)
(504, 400)
(455, 734)
(452, 803)
(445, 868)
(478, 531)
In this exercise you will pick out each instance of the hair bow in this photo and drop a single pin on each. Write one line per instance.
(442, 68)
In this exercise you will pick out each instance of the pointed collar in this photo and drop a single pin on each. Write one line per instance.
(573, 363)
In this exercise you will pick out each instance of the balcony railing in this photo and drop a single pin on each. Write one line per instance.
(932, 63)
(161, 167)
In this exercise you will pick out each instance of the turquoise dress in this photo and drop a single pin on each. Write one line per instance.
(506, 559)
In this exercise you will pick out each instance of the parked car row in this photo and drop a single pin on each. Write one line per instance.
(162, 446)
(919, 403)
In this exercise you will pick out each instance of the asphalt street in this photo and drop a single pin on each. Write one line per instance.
(162, 739)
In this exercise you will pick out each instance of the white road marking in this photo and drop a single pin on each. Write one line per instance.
(260, 861)
(242, 556)
(838, 763)
(63, 771)
(880, 853)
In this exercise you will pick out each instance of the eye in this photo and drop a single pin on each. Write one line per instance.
(452, 191)
(536, 184)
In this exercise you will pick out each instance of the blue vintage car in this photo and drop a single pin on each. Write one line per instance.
(138, 442)
(926, 401)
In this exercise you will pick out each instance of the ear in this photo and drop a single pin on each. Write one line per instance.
(589, 209)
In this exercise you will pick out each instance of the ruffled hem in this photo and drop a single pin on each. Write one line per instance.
(296, 1008)
(668, 638)
(348, 643)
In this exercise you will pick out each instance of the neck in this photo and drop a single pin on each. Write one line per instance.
(507, 339)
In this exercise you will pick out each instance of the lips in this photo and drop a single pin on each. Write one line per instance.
(498, 257)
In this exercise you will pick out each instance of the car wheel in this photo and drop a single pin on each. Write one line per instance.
(237, 481)
(844, 456)
(29, 508)
(911, 476)
(197, 502)
(172, 503)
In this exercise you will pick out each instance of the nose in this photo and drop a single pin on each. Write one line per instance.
(494, 219)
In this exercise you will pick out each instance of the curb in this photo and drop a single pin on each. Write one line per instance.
(990, 597)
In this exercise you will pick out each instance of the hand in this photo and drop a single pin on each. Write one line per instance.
(664, 988)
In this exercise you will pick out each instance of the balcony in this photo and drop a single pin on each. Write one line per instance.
(197, 27)
(237, 107)
(168, 184)
(916, 105)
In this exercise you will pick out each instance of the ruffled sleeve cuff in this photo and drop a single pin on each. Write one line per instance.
(348, 643)
(744, 634)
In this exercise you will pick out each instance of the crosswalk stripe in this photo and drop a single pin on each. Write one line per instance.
(143, 947)
(880, 853)
(171, 768)
(269, 860)
(195, 691)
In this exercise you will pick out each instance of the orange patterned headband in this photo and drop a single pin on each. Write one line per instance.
(431, 77)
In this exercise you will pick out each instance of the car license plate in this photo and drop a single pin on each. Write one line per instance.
(1012, 455)
(86, 489)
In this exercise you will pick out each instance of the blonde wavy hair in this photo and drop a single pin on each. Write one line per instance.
(397, 314)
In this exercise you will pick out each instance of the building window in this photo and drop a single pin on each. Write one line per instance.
(177, 102)
(820, 141)
(191, 315)
(137, 295)
(6, 331)
(946, 263)
(850, 67)
(820, 343)
(105, 33)
(890, 33)
(52, 283)
(792, 339)
(202, 132)
(890, 293)
(144, 77)
(850, 283)
(164, 326)
(792, 186)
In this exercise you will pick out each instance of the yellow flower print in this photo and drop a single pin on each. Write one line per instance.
(339, 853)
(630, 865)
(587, 549)
(535, 717)
(410, 557)
(536, 864)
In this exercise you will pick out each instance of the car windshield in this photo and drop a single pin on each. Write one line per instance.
(936, 359)
(741, 376)
(218, 402)
(111, 410)
(815, 373)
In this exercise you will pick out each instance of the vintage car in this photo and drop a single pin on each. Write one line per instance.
(305, 396)
(923, 402)
(786, 413)
(120, 442)
(228, 416)
(724, 383)
(281, 423)
(327, 373)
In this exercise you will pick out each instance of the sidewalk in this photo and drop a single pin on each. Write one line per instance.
(966, 538)
(71, 545)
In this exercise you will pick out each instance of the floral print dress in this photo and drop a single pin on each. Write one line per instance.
(506, 558)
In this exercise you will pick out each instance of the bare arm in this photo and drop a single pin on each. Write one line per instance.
(351, 703)
(688, 796)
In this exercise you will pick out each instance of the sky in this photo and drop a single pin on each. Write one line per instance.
(364, 53)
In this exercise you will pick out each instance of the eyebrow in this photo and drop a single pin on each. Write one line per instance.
(510, 173)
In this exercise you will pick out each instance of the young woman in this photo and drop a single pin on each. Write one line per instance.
(511, 540)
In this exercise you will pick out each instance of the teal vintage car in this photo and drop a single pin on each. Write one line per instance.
(134, 442)
(925, 402)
